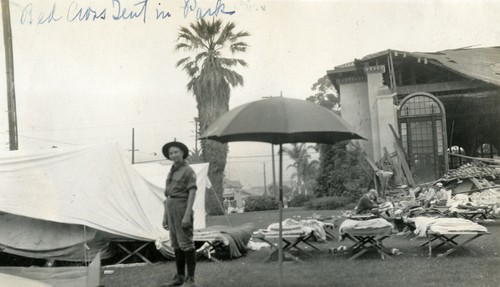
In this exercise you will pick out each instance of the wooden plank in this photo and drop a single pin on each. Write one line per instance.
(404, 164)
(481, 183)
(375, 177)
(402, 157)
(371, 163)
(488, 160)
(397, 167)
(398, 141)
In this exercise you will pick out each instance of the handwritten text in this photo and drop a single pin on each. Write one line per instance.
(200, 12)
(117, 10)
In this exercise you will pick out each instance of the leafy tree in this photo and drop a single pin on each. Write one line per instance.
(343, 171)
(210, 68)
(325, 94)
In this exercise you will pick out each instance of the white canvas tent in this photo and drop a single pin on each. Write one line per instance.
(69, 194)
(155, 174)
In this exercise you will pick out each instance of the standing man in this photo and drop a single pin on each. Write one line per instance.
(180, 192)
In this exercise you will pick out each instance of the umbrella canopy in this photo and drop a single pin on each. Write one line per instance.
(280, 120)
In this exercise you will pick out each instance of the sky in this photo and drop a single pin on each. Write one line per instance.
(90, 81)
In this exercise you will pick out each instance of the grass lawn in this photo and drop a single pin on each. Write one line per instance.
(412, 268)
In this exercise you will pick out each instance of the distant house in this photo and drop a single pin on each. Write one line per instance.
(433, 100)
(233, 191)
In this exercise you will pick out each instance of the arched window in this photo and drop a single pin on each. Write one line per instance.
(422, 126)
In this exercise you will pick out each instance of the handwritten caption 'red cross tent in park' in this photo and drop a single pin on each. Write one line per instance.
(117, 10)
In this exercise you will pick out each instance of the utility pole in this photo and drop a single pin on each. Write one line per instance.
(133, 146)
(275, 189)
(9, 67)
(265, 183)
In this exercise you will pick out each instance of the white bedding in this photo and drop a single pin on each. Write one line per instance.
(445, 226)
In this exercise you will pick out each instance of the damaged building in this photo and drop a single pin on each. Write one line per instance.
(430, 104)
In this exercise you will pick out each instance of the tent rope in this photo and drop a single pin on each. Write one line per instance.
(85, 246)
(222, 207)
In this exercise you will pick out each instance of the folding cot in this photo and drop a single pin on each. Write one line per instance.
(132, 248)
(447, 230)
(291, 239)
(223, 240)
(474, 212)
(211, 241)
(367, 234)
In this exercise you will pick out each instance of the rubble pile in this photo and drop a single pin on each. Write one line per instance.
(474, 182)
(473, 169)
(398, 194)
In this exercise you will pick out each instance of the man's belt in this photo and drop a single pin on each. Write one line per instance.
(177, 197)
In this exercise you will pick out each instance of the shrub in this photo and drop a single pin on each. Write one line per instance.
(331, 202)
(259, 203)
(299, 200)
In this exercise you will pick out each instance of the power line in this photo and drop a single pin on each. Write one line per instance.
(46, 140)
(107, 126)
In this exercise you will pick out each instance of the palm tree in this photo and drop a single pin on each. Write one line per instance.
(195, 156)
(310, 175)
(298, 152)
(211, 77)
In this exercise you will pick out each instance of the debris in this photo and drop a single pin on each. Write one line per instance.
(473, 169)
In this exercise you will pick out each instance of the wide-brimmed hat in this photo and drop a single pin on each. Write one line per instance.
(180, 145)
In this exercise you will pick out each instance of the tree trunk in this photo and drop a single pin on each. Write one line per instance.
(213, 152)
(299, 187)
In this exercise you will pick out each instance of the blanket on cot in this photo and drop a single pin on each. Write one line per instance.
(371, 227)
(445, 225)
(236, 237)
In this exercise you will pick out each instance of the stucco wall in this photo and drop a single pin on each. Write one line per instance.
(386, 115)
(368, 107)
(356, 111)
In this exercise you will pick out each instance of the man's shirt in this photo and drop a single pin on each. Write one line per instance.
(364, 205)
(180, 180)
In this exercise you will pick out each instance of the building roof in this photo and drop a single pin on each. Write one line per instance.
(232, 183)
(476, 63)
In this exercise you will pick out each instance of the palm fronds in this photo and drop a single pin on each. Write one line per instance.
(209, 40)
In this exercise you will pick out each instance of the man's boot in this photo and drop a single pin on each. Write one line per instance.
(191, 266)
(189, 282)
(178, 280)
(180, 262)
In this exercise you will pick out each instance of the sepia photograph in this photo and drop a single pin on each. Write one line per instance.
(148, 143)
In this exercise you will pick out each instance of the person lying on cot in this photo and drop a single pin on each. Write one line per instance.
(367, 203)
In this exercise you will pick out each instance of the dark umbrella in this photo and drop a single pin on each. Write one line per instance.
(280, 121)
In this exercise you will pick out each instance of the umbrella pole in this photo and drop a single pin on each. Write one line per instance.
(280, 241)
